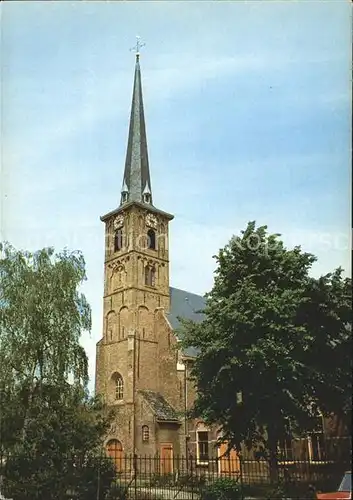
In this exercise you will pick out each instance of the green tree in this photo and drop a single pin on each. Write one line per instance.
(42, 316)
(61, 456)
(274, 345)
(51, 431)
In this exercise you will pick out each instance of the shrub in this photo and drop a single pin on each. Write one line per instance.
(191, 480)
(291, 490)
(117, 492)
(162, 480)
(221, 489)
(56, 478)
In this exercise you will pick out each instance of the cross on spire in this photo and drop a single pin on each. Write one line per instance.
(136, 180)
(136, 48)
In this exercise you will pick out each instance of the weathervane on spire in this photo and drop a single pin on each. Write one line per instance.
(136, 48)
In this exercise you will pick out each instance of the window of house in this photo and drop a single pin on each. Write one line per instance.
(145, 433)
(119, 387)
(151, 239)
(118, 240)
(317, 447)
(147, 198)
(202, 446)
(150, 276)
(316, 441)
(285, 449)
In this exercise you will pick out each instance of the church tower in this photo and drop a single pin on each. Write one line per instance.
(136, 285)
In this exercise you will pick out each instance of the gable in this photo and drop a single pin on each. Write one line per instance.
(185, 305)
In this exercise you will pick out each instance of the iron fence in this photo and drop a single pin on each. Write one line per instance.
(188, 471)
(186, 478)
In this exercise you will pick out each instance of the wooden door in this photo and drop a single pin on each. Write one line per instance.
(115, 451)
(166, 458)
(228, 464)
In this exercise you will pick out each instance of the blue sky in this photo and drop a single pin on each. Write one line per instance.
(248, 118)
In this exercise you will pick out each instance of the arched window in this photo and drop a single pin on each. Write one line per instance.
(151, 239)
(123, 322)
(145, 433)
(110, 325)
(150, 276)
(119, 387)
(118, 240)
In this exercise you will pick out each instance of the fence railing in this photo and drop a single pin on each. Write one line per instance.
(185, 478)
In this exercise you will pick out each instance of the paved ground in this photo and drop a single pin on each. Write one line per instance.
(168, 494)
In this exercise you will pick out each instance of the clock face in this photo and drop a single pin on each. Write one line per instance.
(151, 221)
(118, 221)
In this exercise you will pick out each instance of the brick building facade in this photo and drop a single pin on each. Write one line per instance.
(139, 369)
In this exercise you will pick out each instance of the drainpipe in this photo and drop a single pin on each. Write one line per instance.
(185, 416)
(134, 401)
(132, 375)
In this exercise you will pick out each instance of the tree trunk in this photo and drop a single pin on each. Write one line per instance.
(32, 389)
(272, 440)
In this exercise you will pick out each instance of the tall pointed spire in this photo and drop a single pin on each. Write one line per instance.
(136, 185)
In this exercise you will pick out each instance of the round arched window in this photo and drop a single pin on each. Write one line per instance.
(119, 386)
(118, 240)
(151, 239)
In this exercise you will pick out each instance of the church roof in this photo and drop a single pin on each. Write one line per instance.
(162, 410)
(185, 305)
(138, 204)
(136, 183)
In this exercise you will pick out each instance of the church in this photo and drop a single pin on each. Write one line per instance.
(140, 371)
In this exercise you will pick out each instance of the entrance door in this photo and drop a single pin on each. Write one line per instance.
(166, 458)
(115, 451)
(228, 464)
